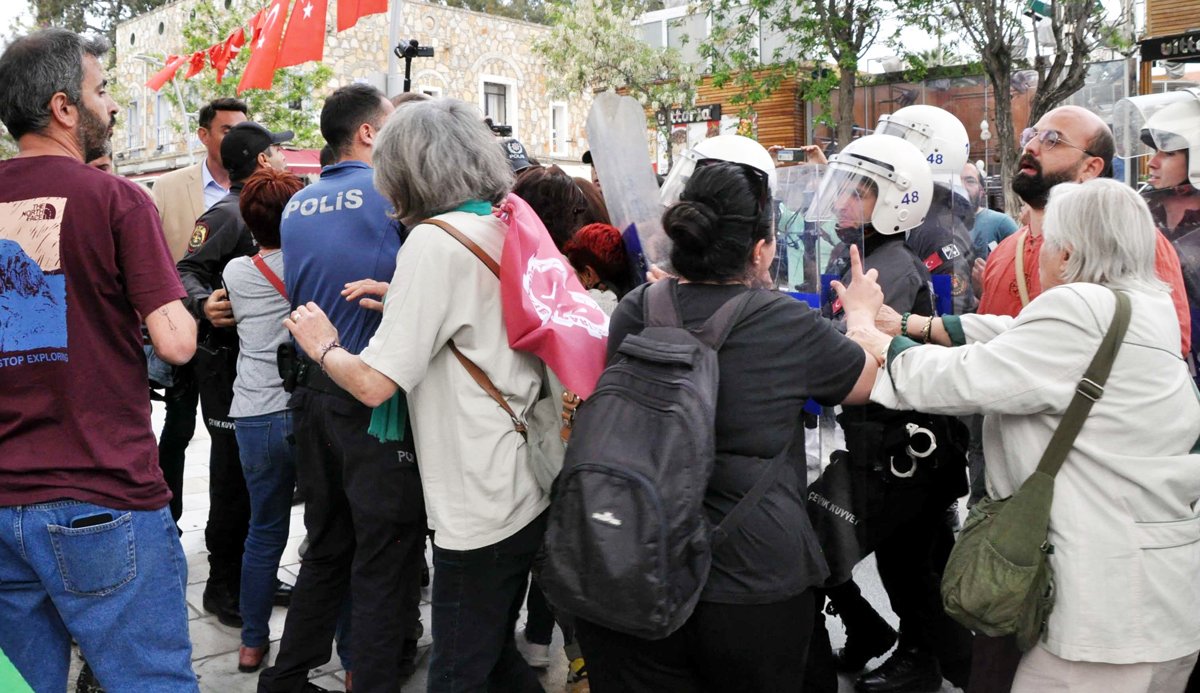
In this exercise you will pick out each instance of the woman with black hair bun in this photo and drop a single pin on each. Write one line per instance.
(751, 629)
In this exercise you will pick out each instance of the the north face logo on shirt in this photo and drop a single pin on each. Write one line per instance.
(40, 211)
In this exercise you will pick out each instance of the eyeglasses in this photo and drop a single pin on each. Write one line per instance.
(758, 177)
(1049, 138)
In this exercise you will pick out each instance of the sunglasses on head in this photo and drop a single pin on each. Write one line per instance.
(1048, 138)
(758, 177)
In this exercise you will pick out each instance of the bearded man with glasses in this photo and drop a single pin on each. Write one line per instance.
(1068, 145)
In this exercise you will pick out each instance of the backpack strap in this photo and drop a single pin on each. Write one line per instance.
(1089, 390)
(661, 307)
(747, 502)
(716, 329)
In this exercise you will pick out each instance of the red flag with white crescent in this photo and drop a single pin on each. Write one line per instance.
(260, 69)
(547, 311)
(305, 37)
(223, 53)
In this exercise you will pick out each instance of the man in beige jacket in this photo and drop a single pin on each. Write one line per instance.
(182, 196)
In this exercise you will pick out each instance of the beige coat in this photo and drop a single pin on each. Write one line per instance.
(180, 199)
(1124, 522)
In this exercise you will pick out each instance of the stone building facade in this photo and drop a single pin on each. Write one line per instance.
(479, 58)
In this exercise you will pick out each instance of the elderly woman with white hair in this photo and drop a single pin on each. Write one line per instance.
(439, 165)
(1124, 521)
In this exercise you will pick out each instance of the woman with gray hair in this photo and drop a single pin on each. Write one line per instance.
(440, 167)
(1123, 524)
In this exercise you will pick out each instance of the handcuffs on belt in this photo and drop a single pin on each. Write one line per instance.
(914, 430)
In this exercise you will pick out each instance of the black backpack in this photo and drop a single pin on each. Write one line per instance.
(628, 545)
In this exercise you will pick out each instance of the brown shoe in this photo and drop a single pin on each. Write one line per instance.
(250, 659)
(349, 685)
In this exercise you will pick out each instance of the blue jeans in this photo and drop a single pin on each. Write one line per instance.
(269, 465)
(116, 587)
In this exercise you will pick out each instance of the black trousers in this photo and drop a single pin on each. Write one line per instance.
(229, 502)
(182, 400)
(365, 516)
(911, 561)
(723, 648)
(477, 597)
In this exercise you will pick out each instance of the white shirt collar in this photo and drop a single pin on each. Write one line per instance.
(206, 177)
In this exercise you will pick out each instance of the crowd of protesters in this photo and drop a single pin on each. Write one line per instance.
(347, 346)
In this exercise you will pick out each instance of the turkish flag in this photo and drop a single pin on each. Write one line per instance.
(196, 63)
(260, 69)
(223, 53)
(349, 11)
(256, 25)
(547, 312)
(174, 62)
(305, 37)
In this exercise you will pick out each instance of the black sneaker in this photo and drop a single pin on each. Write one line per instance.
(906, 671)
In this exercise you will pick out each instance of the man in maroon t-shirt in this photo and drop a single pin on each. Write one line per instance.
(87, 546)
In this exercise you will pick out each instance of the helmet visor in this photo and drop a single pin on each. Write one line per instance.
(845, 198)
(919, 137)
(1132, 137)
(677, 178)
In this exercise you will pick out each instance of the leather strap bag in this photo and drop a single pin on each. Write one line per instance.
(550, 429)
(1022, 282)
(998, 580)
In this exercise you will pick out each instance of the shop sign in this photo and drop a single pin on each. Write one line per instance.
(695, 114)
(1180, 47)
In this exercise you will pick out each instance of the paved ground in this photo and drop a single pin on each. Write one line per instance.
(215, 646)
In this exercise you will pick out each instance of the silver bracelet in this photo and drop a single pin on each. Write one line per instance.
(335, 344)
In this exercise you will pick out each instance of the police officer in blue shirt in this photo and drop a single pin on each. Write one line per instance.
(364, 509)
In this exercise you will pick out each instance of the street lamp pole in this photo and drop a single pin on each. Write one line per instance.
(187, 116)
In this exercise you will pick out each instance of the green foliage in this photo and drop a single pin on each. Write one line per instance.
(593, 46)
(289, 105)
(526, 10)
(804, 31)
(8, 146)
(733, 54)
(89, 16)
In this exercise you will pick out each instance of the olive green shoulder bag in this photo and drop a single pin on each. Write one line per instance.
(998, 580)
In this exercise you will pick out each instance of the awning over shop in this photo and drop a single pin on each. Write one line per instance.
(303, 161)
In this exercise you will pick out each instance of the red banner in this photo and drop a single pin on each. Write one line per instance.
(305, 37)
(547, 311)
(349, 11)
(260, 70)
(174, 62)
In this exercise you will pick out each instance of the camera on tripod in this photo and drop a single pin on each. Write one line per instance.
(408, 51)
(413, 49)
(498, 130)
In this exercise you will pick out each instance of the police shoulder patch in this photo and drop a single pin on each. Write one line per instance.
(198, 237)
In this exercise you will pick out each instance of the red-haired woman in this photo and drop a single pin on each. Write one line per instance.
(598, 255)
(259, 408)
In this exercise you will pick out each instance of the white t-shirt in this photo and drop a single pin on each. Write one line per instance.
(478, 486)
